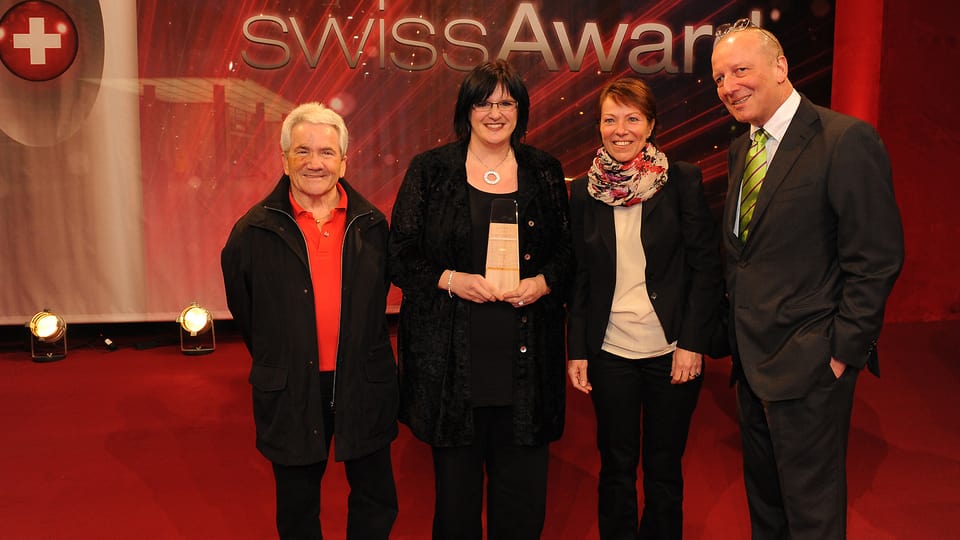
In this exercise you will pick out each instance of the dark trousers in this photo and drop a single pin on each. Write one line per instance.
(794, 459)
(516, 483)
(372, 503)
(640, 415)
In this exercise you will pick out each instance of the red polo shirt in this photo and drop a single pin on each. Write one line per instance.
(324, 249)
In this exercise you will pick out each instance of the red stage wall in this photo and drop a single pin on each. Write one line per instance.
(894, 67)
(919, 121)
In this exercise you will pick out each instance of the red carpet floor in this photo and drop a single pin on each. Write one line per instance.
(153, 444)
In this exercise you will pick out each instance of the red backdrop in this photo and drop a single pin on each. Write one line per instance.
(143, 237)
(919, 121)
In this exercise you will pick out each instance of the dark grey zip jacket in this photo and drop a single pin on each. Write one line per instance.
(269, 291)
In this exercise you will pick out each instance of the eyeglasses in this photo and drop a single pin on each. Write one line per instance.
(507, 105)
(735, 26)
(746, 24)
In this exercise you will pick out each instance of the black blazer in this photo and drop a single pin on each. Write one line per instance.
(684, 278)
(825, 247)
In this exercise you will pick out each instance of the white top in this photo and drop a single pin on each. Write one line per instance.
(633, 331)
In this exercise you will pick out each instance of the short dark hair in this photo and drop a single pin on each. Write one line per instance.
(477, 87)
(633, 92)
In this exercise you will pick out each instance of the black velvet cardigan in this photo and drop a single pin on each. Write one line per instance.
(431, 232)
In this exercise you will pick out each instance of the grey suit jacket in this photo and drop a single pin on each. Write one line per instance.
(825, 247)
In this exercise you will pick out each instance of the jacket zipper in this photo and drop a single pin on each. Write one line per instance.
(333, 396)
(336, 367)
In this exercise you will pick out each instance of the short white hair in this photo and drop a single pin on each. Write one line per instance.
(313, 113)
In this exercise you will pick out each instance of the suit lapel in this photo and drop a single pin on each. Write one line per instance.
(527, 185)
(606, 230)
(801, 130)
(649, 219)
(652, 202)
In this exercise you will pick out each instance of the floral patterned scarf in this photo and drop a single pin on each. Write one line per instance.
(626, 184)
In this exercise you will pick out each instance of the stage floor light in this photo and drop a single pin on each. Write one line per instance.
(48, 337)
(196, 330)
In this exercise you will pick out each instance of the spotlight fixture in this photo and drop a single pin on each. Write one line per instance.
(196, 330)
(48, 337)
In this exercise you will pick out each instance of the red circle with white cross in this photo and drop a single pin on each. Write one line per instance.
(38, 40)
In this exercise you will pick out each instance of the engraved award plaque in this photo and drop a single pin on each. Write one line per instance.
(503, 245)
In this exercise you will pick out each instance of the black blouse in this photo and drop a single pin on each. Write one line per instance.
(493, 327)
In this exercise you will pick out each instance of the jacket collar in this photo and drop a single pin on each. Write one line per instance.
(279, 199)
(605, 219)
(804, 125)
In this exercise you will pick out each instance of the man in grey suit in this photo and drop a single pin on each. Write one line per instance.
(814, 244)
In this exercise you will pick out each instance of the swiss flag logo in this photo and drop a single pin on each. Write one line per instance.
(38, 40)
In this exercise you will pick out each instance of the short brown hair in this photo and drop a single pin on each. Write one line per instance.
(633, 92)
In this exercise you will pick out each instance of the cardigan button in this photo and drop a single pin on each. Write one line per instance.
(527, 256)
(653, 296)
(523, 348)
(531, 223)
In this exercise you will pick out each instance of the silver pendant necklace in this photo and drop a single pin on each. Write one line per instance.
(491, 177)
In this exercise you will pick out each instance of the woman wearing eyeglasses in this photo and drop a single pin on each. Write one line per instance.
(643, 310)
(482, 364)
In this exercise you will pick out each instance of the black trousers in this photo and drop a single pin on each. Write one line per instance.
(516, 483)
(372, 503)
(640, 415)
(794, 459)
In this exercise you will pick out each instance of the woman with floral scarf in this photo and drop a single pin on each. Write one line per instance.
(644, 306)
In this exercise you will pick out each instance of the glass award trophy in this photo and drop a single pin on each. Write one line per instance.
(503, 245)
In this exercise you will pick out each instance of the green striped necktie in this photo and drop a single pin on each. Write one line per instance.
(753, 176)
